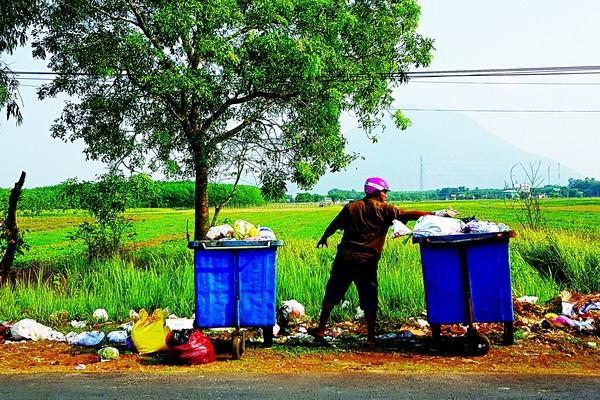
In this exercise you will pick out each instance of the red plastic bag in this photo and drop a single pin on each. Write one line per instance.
(198, 350)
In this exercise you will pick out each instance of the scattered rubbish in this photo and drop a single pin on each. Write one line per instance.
(300, 338)
(30, 329)
(387, 336)
(283, 319)
(119, 337)
(528, 299)
(108, 353)
(100, 314)
(128, 326)
(179, 323)
(92, 338)
(78, 324)
(422, 323)
(134, 315)
(360, 313)
(295, 309)
(80, 366)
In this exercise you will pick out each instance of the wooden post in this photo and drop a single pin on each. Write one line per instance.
(11, 231)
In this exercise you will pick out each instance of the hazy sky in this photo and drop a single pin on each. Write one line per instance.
(468, 35)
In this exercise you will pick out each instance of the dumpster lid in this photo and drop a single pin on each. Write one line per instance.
(464, 237)
(233, 244)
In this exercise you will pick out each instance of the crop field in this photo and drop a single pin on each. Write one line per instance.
(158, 271)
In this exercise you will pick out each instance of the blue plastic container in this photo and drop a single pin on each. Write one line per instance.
(467, 278)
(235, 282)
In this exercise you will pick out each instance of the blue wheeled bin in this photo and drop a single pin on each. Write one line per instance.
(467, 280)
(235, 287)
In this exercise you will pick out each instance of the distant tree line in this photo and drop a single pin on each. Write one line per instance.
(180, 194)
(73, 194)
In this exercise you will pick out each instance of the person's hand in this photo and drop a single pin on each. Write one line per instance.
(322, 242)
(448, 212)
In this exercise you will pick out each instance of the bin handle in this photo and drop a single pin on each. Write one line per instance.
(266, 246)
(458, 239)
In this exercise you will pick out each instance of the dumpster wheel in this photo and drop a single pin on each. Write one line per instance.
(238, 345)
(477, 344)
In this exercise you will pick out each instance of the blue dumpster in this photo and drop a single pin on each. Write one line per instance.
(235, 284)
(467, 280)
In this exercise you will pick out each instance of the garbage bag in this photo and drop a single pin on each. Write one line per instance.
(295, 309)
(179, 337)
(117, 337)
(150, 332)
(430, 225)
(283, 319)
(108, 353)
(244, 229)
(86, 338)
(266, 233)
(30, 329)
(100, 314)
(197, 350)
(399, 229)
(220, 232)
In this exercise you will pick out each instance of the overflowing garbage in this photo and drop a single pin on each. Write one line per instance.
(240, 230)
(433, 225)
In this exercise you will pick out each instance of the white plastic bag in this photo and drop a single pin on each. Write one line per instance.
(30, 329)
(219, 232)
(399, 229)
(266, 233)
(294, 309)
(431, 225)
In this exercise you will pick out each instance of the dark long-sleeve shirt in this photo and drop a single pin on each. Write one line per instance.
(365, 223)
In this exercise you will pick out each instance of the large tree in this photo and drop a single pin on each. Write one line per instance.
(196, 87)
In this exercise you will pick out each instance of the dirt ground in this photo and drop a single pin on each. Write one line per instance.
(539, 348)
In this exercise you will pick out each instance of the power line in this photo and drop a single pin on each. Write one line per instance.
(481, 110)
(535, 71)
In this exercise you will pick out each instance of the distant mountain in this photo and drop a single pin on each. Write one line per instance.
(440, 149)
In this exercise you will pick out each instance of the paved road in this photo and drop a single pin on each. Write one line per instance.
(298, 386)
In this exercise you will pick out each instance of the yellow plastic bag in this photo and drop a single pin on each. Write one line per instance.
(244, 229)
(150, 332)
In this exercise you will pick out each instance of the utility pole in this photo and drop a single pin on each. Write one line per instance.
(421, 173)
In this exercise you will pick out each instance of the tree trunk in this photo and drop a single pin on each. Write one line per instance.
(201, 203)
(10, 228)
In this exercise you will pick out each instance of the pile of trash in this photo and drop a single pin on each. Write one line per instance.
(145, 334)
(569, 311)
(240, 230)
(432, 225)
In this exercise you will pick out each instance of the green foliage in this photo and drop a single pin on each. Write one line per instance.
(588, 187)
(568, 259)
(15, 19)
(223, 88)
(106, 202)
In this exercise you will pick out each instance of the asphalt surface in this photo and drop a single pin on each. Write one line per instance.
(355, 385)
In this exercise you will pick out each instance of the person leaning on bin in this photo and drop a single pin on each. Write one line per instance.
(365, 224)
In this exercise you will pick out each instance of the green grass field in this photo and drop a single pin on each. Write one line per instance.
(159, 270)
